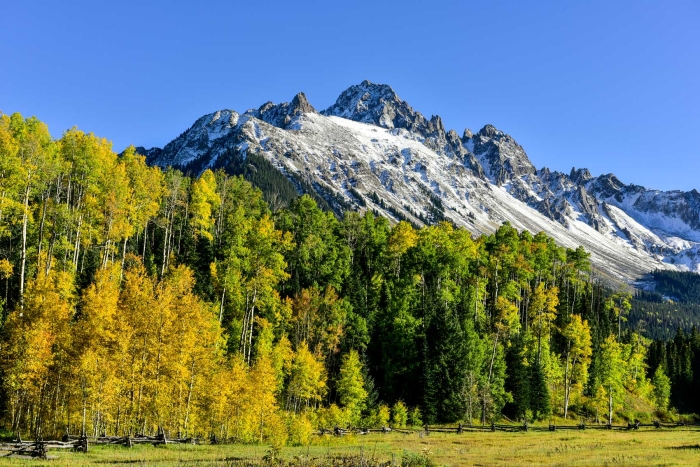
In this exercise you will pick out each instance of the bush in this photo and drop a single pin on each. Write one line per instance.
(378, 417)
(415, 418)
(332, 416)
(411, 459)
(300, 430)
(399, 415)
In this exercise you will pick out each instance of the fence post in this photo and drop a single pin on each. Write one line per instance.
(40, 449)
(83, 444)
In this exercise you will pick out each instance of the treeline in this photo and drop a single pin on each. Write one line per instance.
(679, 357)
(139, 300)
(680, 286)
(660, 319)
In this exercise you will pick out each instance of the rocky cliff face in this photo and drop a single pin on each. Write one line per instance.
(371, 145)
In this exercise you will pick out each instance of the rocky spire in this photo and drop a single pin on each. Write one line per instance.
(505, 158)
(580, 176)
(300, 105)
(281, 115)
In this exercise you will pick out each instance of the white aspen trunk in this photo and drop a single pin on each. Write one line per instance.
(567, 386)
(23, 264)
(221, 308)
(121, 274)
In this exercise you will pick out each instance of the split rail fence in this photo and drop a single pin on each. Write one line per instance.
(459, 429)
(40, 448)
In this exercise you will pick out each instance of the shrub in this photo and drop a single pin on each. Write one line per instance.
(411, 459)
(399, 415)
(415, 418)
(378, 417)
(300, 430)
(332, 416)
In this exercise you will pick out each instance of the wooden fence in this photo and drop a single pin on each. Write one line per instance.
(459, 429)
(41, 448)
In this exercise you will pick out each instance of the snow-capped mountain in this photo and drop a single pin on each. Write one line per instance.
(371, 150)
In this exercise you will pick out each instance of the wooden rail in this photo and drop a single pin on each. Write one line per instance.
(41, 448)
(505, 428)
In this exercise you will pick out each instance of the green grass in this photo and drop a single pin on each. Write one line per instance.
(589, 448)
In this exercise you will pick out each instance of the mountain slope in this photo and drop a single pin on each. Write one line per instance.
(371, 150)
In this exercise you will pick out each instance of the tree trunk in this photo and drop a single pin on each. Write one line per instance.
(23, 256)
(567, 385)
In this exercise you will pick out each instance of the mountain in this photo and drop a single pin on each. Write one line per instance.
(372, 150)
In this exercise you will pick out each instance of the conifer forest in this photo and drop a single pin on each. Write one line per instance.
(140, 300)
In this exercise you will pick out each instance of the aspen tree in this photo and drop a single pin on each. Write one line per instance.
(307, 382)
(35, 361)
(203, 204)
(262, 404)
(612, 372)
(32, 165)
(351, 386)
(577, 358)
(146, 189)
(96, 352)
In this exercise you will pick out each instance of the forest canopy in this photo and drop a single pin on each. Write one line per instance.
(136, 300)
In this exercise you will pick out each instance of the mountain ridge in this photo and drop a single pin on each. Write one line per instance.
(371, 144)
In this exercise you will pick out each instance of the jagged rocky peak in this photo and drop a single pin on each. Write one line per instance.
(580, 176)
(377, 104)
(281, 115)
(504, 159)
(490, 131)
(300, 105)
(467, 135)
(607, 186)
(453, 138)
(435, 125)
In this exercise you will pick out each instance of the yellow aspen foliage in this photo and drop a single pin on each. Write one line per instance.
(577, 359)
(612, 373)
(403, 237)
(96, 351)
(203, 204)
(300, 428)
(262, 407)
(5, 269)
(38, 351)
(237, 422)
(146, 189)
(351, 386)
(543, 309)
(317, 318)
(307, 383)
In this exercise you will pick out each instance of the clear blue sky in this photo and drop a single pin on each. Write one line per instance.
(612, 86)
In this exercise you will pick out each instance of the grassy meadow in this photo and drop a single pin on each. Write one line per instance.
(590, 448)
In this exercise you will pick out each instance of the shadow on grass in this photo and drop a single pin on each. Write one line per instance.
(690, 447)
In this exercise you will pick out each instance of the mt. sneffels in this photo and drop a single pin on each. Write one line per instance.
(371, 150)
